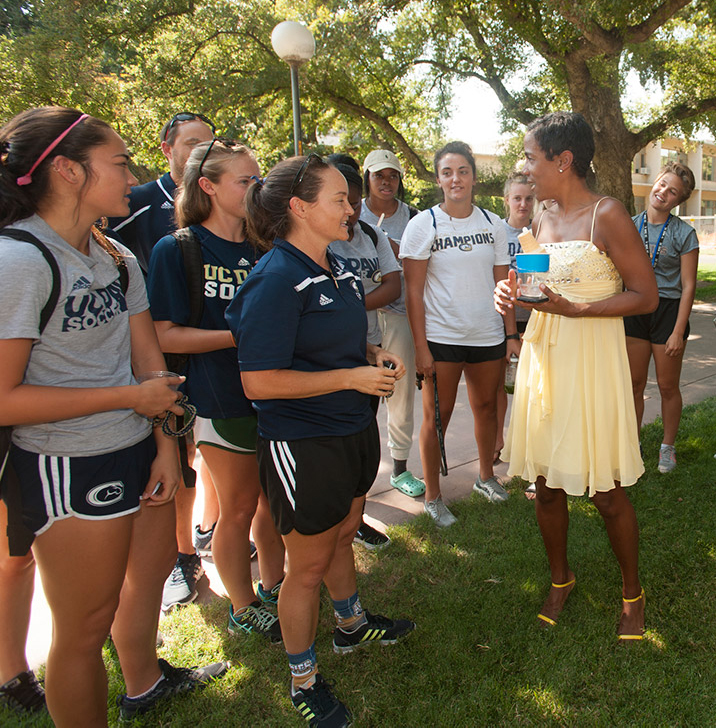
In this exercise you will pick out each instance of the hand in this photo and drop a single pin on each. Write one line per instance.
(505, 293)
(164, 477)
(513, 347)
(155, 396)
(373, 380)
(424, 362)
(383, 355)
(675, 345)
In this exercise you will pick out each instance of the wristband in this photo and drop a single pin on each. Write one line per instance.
(514, 337)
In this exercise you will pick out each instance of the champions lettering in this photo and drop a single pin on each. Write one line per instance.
(462, 242)
(222, 282)
(93, 308)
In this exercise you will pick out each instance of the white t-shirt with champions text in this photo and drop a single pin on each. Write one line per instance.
(462, 254)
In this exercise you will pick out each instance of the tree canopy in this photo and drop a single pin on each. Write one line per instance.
(382, 74)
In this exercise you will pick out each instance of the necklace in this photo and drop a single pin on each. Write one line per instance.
(645, 226)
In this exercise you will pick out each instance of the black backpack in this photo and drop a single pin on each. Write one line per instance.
(194, 268)
(19, 535)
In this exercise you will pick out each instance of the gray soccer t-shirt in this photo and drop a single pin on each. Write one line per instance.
(86, 342)
(679, 238)
(393, 227)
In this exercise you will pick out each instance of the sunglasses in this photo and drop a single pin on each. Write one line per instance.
(302, 172)
(188, 116)
(229, 143)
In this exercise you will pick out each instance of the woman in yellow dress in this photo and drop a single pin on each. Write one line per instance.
(572, 429)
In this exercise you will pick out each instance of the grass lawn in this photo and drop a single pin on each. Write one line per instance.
(478, 657)
(706, 286)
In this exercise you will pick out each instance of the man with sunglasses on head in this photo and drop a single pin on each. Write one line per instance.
(151, 206)
(151, 217)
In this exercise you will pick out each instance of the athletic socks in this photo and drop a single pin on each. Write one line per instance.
(349, 613)
(304, 668)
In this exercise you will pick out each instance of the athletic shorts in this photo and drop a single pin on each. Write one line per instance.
(467, 354)
(93, 488)
(235, 434)
(310, 484)
(658, 326)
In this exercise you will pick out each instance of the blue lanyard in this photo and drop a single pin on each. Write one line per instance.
(644, 223)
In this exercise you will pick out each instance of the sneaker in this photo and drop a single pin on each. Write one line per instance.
(439, 512)
(667, 458)
(180, 587)
(252, 549)
(376, 629)
(202, 541)
(255, 618)
(320, 707)
(491, 488)
(370, 537)
(23, 693)
(269, 596)
(176, 680)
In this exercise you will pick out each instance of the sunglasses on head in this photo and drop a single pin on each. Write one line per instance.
(302, 172)
(229, 143)
(188, 116)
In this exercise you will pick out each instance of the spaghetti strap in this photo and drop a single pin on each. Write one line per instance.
(594, 219)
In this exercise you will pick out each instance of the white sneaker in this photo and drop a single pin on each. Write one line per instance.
(491, 488)
(439, 512)
(667, 458)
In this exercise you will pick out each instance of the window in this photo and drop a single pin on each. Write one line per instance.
(672, 155)
(707, 168)
(708, 207)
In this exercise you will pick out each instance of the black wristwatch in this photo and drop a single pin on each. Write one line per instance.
(514, 337)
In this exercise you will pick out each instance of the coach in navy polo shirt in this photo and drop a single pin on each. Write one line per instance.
(151, 205)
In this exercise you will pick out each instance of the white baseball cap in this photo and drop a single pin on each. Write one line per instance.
(382, 159)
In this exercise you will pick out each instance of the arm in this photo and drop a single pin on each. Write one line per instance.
(500, 273)
(385, 293)
(179, 339)
(415, 272)
(689, 269)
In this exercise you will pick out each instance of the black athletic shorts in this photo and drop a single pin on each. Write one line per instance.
(93, 488)
(467, 354)
(311, 483)
(657, 326)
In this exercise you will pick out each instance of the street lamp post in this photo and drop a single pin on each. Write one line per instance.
(294, 43)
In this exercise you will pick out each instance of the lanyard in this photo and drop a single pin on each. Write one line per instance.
(645, 224)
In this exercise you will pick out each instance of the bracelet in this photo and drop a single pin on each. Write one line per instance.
(514, 337)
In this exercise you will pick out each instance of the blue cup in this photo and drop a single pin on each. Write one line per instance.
(531, 271)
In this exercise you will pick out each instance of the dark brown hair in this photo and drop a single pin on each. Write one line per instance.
(23, 140)
(565, 131)
(267, 205)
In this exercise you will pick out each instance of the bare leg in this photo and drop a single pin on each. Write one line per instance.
(270, 550)
(639, 353)
(501, 412)
(448, 376)
(553, 520)
(210, 514)
(482, 381)
(17, 583)
(623, 531)
(668, 374)
(134, 630)
(184, 505)
(82, 564)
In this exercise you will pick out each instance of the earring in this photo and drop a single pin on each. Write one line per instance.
(561, 170)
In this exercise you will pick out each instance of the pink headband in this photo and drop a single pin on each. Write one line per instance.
(27, 178)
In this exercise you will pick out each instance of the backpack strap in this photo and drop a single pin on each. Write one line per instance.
(49, 308)
(369, 230)
(194, 268)
(121, 265)
(412, 212)
(487, 217)
(435, 222)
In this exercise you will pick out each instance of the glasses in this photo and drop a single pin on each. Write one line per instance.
(223, 141)
(302, 172)
(188, 116)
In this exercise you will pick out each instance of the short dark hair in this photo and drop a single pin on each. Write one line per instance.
(683, 173)
(25, 137)
(341, 158)
(267, 205)
(352, 176)
(460, 148)
(565, 131)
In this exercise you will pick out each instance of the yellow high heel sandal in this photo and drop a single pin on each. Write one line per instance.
(547, 619)
(631, 601)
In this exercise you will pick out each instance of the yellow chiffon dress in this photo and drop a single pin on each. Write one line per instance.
(573, 419)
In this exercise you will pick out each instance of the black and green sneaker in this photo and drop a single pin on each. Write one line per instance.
(269, 596)
(319, 707)
(376, 629)
(255, 618)
(23, 693)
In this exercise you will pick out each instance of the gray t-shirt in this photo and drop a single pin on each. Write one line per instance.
(393, 227)
(370, 263)
(514, 248)
(679, 238)
(86, 342)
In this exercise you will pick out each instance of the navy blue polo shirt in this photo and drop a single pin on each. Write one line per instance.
(291, 313)
(213, 379)
(151, 217)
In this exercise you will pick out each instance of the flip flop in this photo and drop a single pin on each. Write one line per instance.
(408, 484)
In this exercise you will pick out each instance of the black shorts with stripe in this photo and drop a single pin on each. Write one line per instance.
(93, 488)
(311, 483)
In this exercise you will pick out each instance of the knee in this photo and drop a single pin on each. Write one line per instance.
(14, 569)
(237, 518)
(310, 576)
(608, 504)
(669, 390)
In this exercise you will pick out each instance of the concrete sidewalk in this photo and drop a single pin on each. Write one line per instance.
(388, 506)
